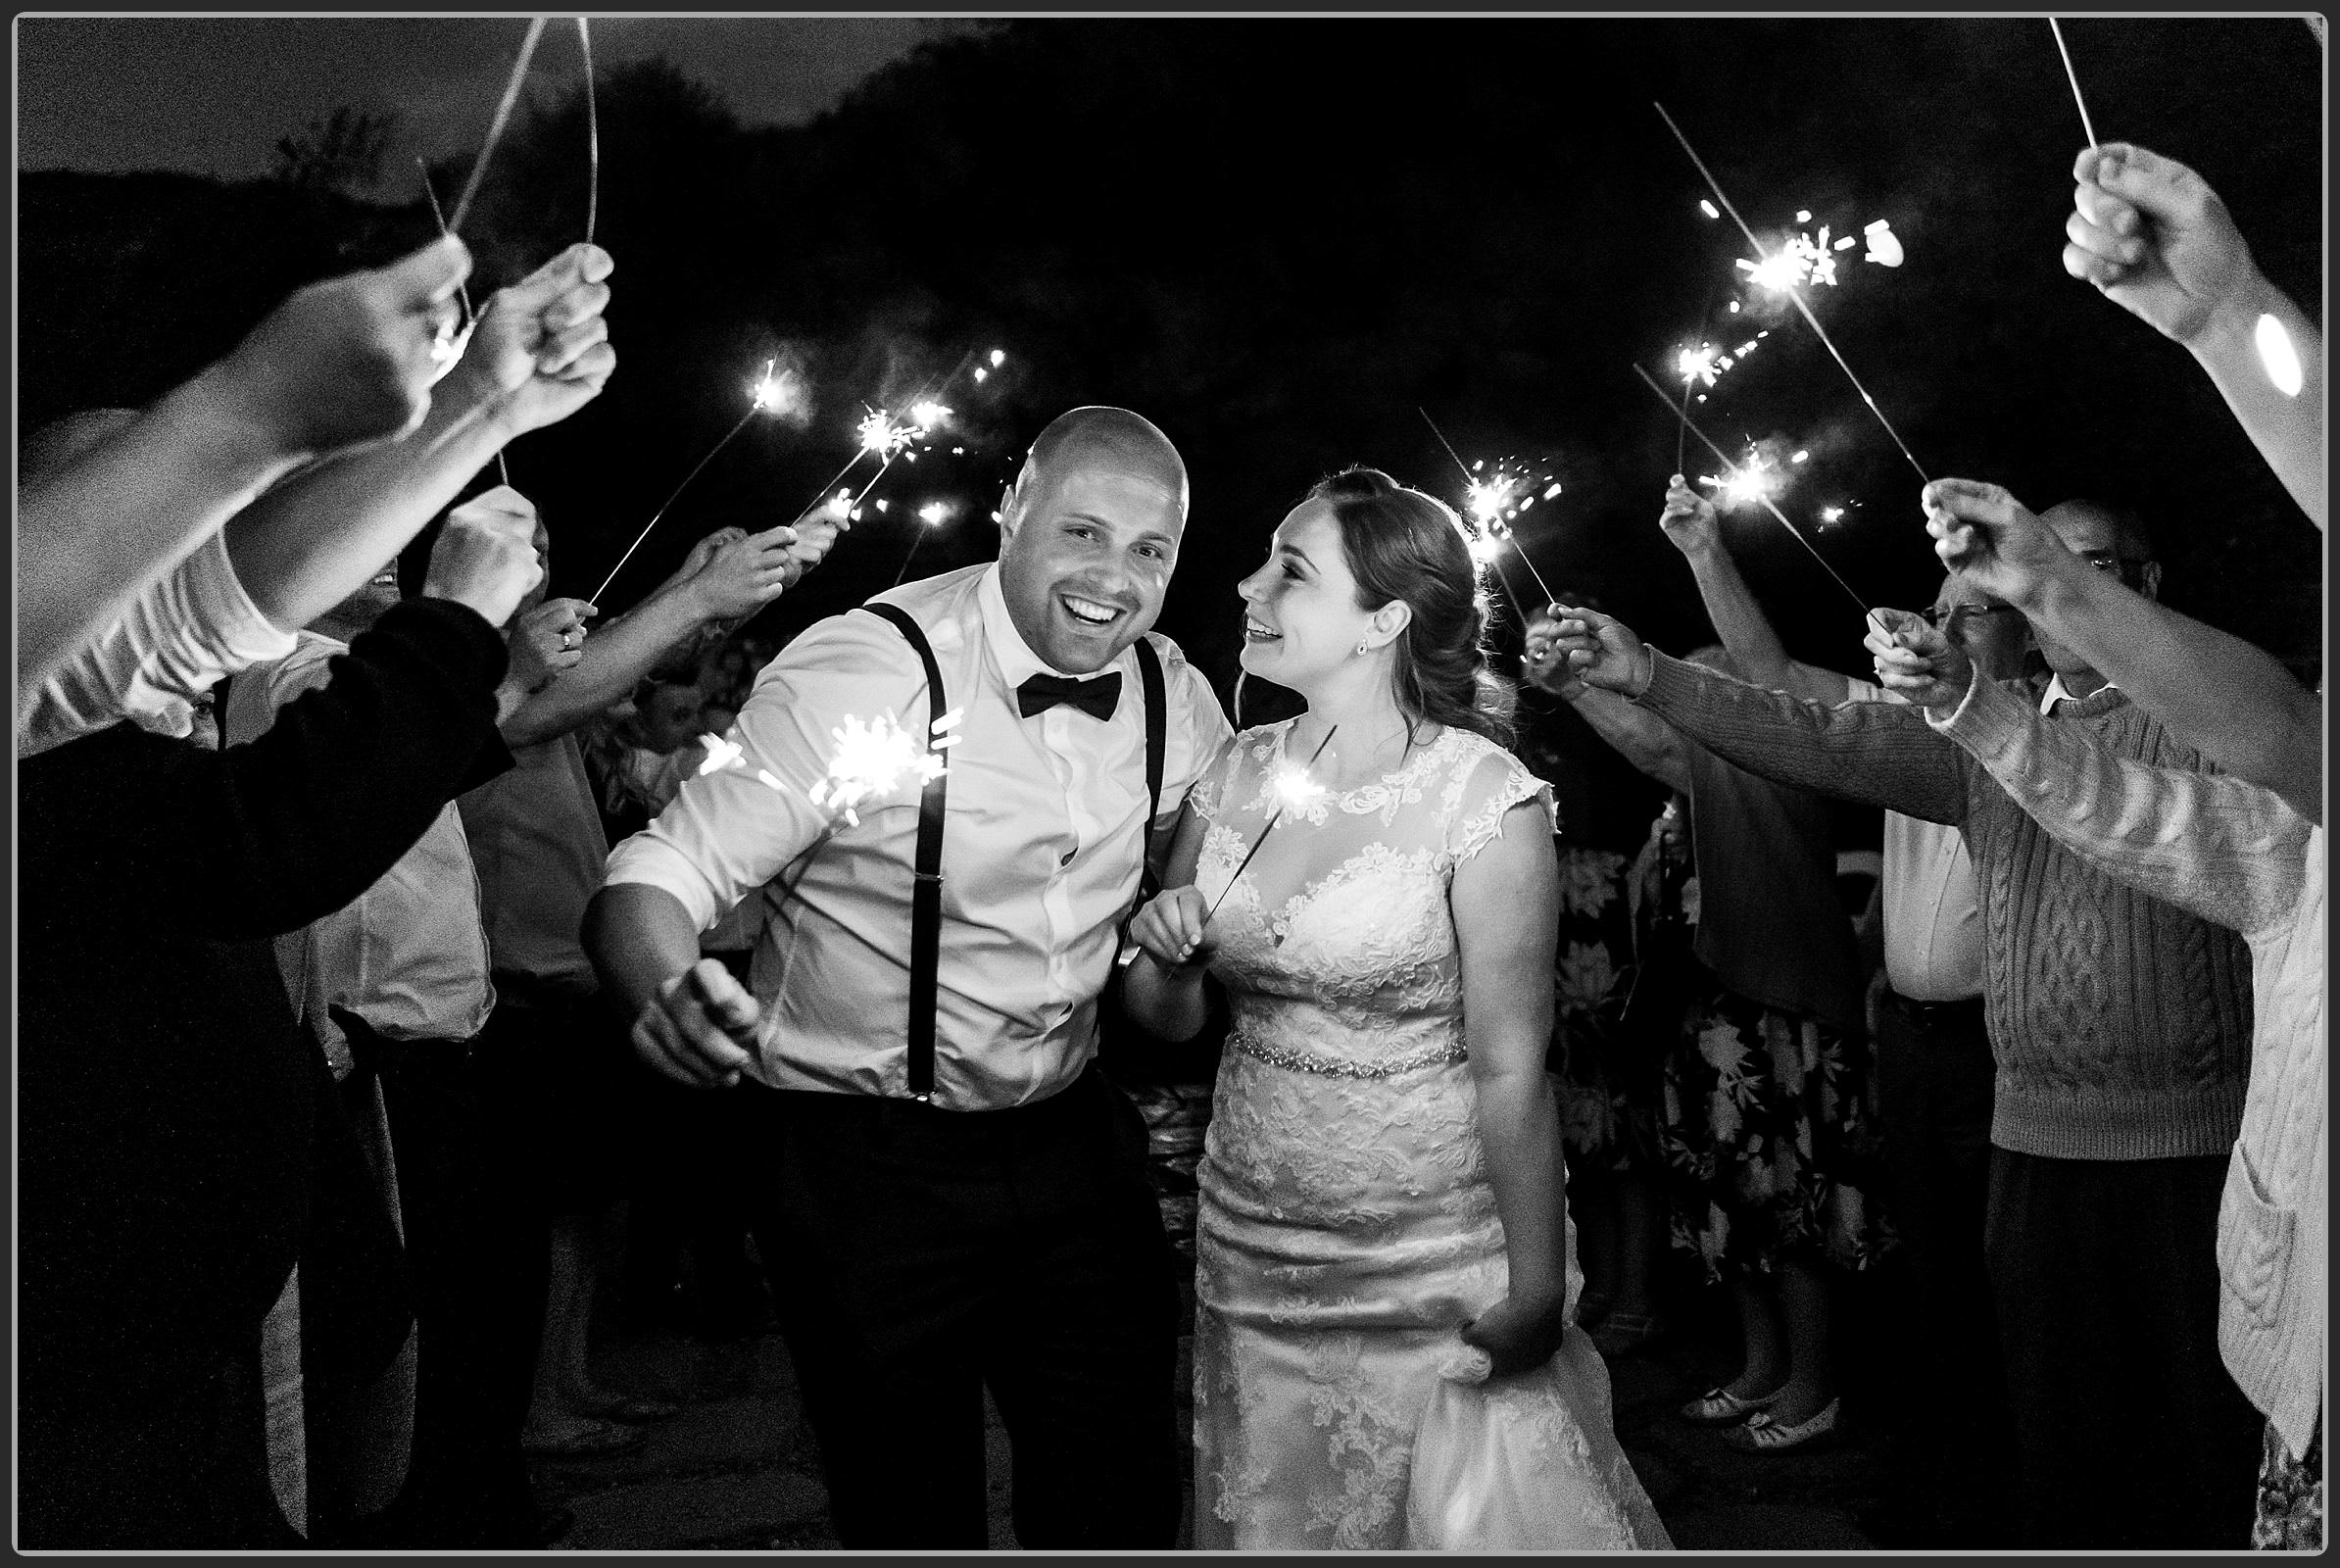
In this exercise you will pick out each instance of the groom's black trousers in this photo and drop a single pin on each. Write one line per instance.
(917, 1255)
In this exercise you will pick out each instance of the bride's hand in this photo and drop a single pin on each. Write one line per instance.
(1170, 930)
(1518, 1333)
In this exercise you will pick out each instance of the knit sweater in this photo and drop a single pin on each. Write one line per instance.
(2233, 852)
(2121, 1024)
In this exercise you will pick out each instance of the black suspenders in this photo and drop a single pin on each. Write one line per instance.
(926, 891)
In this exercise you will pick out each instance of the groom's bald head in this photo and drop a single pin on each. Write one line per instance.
(1101, 439)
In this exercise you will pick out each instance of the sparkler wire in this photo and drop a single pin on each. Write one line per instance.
(462, 293)
(1768, 504)
(2073, 77)
(593, 133)
(1274, 817)
(1798, 299)
(1467, 479)
(753, 411)
(511, 93)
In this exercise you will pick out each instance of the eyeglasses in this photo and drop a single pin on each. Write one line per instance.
(2130, 573)
(1939, 616)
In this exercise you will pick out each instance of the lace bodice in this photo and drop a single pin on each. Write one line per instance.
(1342, 917)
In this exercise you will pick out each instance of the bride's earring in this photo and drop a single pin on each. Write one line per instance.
(1361, 648)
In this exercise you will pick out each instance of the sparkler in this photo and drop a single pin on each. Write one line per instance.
(1755, 480)
(2073, 77)
(511, 93)
(1810, 319)
(868, 762)
(1768, 505)
(461, 291)
(1294, 789)
(934, 515)
(593, 133)
(1483, 503)
(769, 393)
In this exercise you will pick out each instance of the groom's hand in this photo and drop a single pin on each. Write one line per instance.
(1518, 1333)
(696, 1029)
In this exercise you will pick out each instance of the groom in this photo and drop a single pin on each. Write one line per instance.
(946, 1193)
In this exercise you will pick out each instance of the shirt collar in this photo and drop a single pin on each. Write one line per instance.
(1017, 662)
(2055, 693)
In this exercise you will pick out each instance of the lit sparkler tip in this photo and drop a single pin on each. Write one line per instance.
(933, 512)
(872, 759)
(881, 435)
(1298, 791)
(926, 414)
(1830, 514)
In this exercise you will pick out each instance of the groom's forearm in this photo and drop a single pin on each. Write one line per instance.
(639, 937)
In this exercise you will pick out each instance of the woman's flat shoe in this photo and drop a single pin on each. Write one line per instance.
(1762, 1435)
(1717, 1407)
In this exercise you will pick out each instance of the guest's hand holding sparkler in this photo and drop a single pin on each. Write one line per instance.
(1602, 650)
(485, 557)
(547, 640)
(1541, 663)
(1173, 930)
(1996, 542)
(2153, 236)
(340, 365)
(1921, 662)
(540, 350)
(744, 574)
(1689, 520)
(350, 361)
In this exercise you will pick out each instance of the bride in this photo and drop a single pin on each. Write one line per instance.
(1380, 1222)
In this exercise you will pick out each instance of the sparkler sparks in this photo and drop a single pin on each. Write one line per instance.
(1768, 505)
(768, 394)
(1795, 297)
(1750, 483)
(873, 759)
(1294, 789)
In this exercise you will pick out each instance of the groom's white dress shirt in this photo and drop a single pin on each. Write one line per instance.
(1043, 845)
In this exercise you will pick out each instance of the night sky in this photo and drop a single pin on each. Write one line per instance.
(1280, 239)
(211, 94)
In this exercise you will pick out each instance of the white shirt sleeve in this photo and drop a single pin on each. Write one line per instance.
(732, 830)
(175, 643)
(1197, 734)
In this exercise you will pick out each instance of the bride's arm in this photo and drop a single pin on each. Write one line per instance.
(1506, 907)
(1162, 988)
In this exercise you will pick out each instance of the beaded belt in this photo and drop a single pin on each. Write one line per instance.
(1308, 1061)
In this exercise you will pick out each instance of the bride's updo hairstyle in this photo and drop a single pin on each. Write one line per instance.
(1402, 544)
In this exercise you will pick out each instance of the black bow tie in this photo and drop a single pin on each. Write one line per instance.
(1096, 696)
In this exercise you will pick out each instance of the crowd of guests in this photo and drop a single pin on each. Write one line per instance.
(321, 1149)
(2091, 1088)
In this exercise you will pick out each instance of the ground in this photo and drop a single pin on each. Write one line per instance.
(737, 1469)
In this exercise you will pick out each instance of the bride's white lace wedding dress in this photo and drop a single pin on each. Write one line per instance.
(1347, 1229)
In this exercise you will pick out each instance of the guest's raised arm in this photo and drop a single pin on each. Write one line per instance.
(2226, 698)
(2153, 236)
(338, 365)
(1690, 524)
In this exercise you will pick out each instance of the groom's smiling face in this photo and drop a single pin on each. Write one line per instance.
(1086, 560)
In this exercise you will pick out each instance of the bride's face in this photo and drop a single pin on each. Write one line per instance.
(1300, 615)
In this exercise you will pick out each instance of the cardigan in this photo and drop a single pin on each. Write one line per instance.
(2120, 1024)
(2233, 852)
